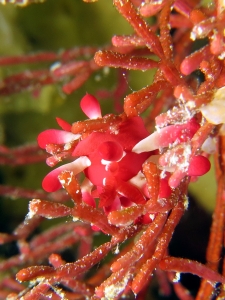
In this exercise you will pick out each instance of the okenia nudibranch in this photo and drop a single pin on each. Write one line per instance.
(111, 150)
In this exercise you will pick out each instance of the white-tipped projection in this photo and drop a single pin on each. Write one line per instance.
(150, 143)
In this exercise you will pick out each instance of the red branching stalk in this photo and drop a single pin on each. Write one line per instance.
(135, 177)
(73, 63)
(21, 155)
(17, 192)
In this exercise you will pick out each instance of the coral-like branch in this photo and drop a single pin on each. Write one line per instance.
(126, 175)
